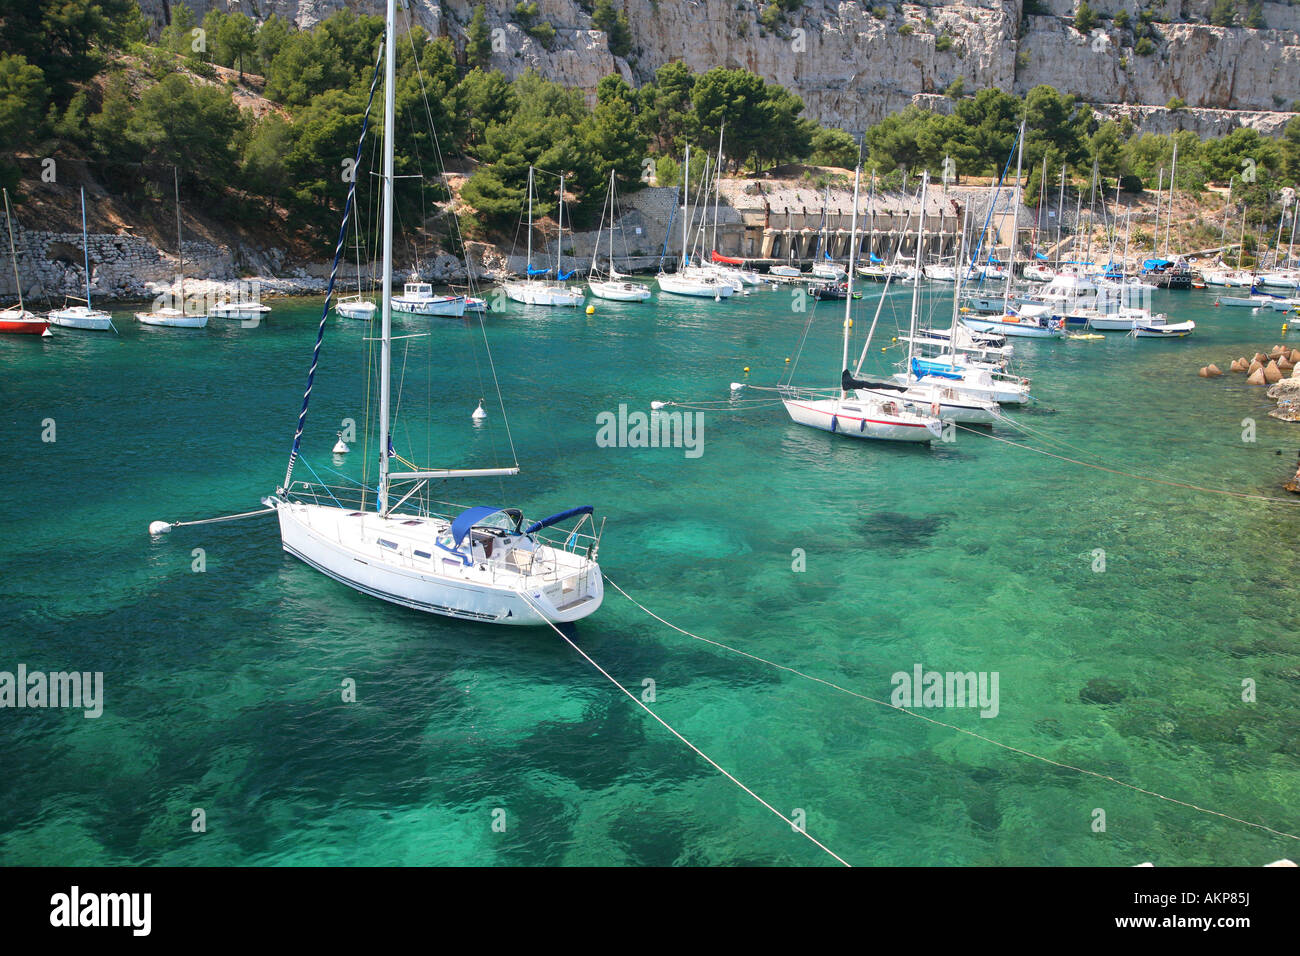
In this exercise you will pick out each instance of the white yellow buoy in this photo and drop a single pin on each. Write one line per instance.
(479, 413)
(340, 446)
(591, 310)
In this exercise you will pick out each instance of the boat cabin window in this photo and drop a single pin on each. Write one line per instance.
(419, 289)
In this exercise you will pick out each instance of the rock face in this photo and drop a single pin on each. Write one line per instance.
(852, 69)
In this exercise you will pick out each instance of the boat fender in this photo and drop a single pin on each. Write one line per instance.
(934, 409)
(834, 424)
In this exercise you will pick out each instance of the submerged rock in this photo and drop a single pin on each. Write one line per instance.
(1103, 690)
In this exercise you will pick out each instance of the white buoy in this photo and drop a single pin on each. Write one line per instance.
(479, 413)
(737, 386)
(655, 406)
(159, 527)
(340, 446)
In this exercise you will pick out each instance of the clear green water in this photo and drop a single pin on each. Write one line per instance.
(223, 687)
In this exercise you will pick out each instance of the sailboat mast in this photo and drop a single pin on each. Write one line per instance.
(1169, 216)
(1038, 216)
(180, 249)
(1290, 249)
(717, 188)
(1060, 215)
(386, 311)
(559, 242)
(853, 240)
(530, 220)
(85, 244)
(18, 283)
(1160, 195)
(916, 283)
(1092, 210)
(686, 198)
(1223, 233)
(1241, 246)
(1015, 221)
(957, 277)
(1277, 243)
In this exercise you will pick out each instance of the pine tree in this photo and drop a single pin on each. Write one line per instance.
(478, 45)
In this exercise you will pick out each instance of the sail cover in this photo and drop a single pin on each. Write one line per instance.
(732, 260)
(566, 275)
(934, 368)
(537, 272)
(556, 518)
(875, 258)
(848, 383)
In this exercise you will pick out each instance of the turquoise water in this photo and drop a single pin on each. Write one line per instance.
(223, 688)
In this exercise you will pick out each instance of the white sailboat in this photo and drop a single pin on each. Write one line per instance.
(848, 411)
(482, 564)
(357, 306)
(614, 286)
(167, 315)
(83, 316)
(537, 291)
(16, 320)
(686, 281)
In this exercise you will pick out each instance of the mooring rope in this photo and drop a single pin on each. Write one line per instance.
(640, 703)
(1128, 474)
(940, 723)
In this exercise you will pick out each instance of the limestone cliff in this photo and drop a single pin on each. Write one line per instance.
(854, 62)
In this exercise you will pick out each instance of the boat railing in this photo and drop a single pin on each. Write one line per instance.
(582, 541)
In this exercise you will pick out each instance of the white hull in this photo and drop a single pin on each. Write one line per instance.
(1023, 330)
(172, 318)
(831, 273)
(238, 311)
(696, 287)
(449, 306)
(346, 546)
(858, 418)
(785, 272)
(356, 309)
(616, 291)
(531, 292)
(80, 317)
(1176, 330)
(946, 403)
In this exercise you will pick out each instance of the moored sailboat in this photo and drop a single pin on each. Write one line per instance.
(83, 316)
(171, 316)
(16, 320)
(481, 564)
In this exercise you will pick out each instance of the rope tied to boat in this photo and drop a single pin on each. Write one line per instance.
(940, 723)
(640, 703)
